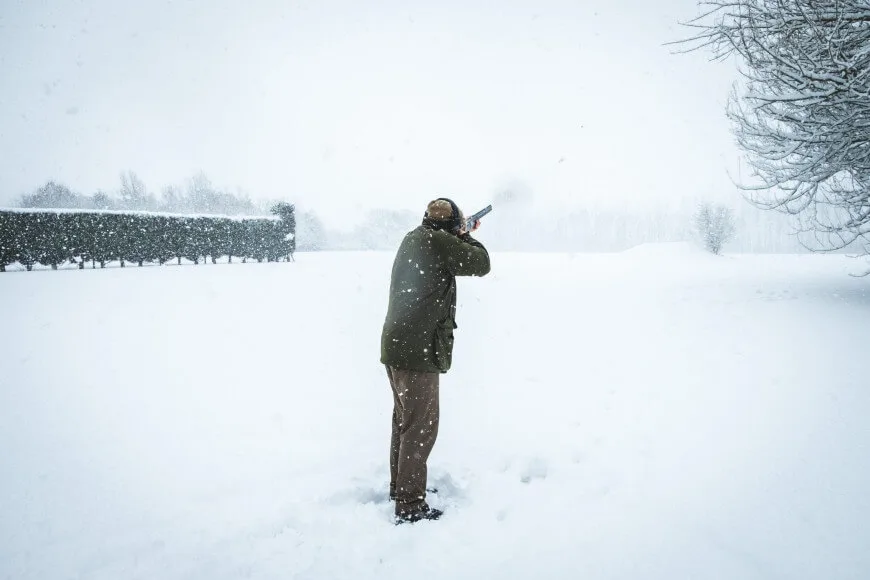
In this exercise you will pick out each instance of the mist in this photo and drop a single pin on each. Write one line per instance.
(343, 108)
(235, 323)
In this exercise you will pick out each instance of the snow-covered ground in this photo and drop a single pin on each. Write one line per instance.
(655, 414)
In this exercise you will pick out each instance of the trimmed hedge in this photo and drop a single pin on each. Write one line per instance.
(54, 237)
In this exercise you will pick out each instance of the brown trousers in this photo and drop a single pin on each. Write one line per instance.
(415, 428)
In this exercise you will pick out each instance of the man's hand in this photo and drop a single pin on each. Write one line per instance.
(464, 230)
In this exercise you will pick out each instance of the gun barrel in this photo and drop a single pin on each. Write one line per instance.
(469, 223)
(482, 212)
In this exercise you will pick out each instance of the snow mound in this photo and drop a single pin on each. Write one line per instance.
(667, 250)
(644, 419)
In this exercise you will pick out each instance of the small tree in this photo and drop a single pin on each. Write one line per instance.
(236, 240)
(257, 239)
(103, 239)
(53, 195)
(26, 240)
(714, 225)
(101, 200)
(194, 231)
(179, 231)
(133, 193)
(73, 224)
(384, 228)
(8, 229)
(310, 232)
(164, 230)
(86, 238)
(172, 200)
(285, 245)
(53, 243)
(218, 241)
(138, 242)
(201, 194)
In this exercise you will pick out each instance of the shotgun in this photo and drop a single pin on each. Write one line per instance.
(469, 222)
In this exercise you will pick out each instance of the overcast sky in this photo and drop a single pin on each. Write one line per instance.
(342, 105)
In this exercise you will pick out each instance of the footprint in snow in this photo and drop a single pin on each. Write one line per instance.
(446, 485)
(578, 456)
(536, 468)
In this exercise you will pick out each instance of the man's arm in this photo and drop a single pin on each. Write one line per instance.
(465, 256)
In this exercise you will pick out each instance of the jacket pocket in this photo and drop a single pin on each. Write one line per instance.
(444, 344)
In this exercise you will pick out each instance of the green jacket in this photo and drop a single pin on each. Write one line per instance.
(418, 331)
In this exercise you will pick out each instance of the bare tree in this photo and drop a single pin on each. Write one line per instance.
(383, 229)
(803, 113)
(714, 225)
(310, 232)
(101, 200)
(53, 195)
(172, 199)
(133, 193)
(201, 194)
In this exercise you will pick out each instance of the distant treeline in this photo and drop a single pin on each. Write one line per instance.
(524, 228)
(517, 224)
(55, 237)
(198, 195)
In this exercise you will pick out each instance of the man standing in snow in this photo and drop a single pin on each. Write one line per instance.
(417, 343)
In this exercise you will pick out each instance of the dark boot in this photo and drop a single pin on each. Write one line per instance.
(424, 513)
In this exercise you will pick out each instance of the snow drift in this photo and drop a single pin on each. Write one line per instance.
(622, 416)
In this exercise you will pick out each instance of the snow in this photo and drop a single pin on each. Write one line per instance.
(669, 250)
(139, 212)
(654, 414)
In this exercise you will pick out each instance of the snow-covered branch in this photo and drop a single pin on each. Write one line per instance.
(803, 114)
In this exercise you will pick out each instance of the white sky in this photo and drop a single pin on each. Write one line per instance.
(342, 105)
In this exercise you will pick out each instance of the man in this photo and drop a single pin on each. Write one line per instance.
(417, 343)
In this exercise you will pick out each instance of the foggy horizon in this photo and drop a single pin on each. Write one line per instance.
(340, 108)
(245, 339)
